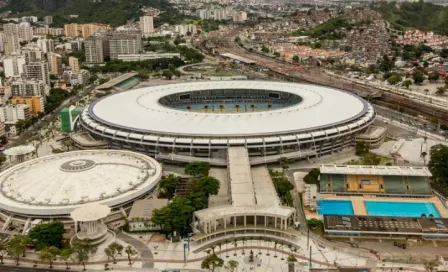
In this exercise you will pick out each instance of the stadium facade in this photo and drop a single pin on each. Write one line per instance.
(199, 121)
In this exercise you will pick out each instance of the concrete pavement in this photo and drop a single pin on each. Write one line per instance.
(145, 252)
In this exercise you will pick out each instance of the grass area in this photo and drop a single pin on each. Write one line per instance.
(387, 139)
(369, 159)
(319, 230)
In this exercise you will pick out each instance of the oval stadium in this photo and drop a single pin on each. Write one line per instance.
(199, 121)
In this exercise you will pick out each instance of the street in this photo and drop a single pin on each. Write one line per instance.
(6, 268)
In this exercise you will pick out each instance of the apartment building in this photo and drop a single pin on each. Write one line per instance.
(36, 103)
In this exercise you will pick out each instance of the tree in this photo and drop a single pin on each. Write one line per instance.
(440, 91)
(394, 80)
(208, 185)
(284, 163)
(426, 91)
(212, 262)
(176, 216)
(113, 250)
(197, 168)
(295, 59)
(231, 266)
(81, 250)
(371, 159)
(313, 223)
(3, 250)
(407, 83)
(418, 77)
(434, 76)
(431, 265)
(361, 148)
(48, 234)
(292, 259)
(312, 177)
(168, 74)
(130, 251)
(438, 164)
(49, 254)
(66, 255)
(17, 246)
(169, 185)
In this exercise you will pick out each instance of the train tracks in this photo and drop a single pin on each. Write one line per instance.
(297, 73)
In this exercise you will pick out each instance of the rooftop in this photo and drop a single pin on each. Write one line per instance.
(375, 170)
(129, 111)
(58, 184)
(90, 212)
(386, 224)
(19, 150)
(143, 208)
(238, 58)
(111, 83)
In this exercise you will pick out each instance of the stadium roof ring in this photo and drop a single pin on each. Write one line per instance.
(184, 119)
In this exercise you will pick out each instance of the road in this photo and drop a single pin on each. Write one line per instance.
(6, 268)
(49, 117)
(145, 252)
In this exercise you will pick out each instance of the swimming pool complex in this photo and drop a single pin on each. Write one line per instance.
(335, 207)
(379, 208)
(401, 209)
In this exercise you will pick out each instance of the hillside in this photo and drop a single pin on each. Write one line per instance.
(113, 12)
(420, 15)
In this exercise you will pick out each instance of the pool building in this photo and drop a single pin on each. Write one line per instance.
(386, 201)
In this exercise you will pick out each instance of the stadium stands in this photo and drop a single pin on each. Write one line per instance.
(375, 180)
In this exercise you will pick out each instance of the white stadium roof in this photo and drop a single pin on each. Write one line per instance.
(58, 184)
(139, 110)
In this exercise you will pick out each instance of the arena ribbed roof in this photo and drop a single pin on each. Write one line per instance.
(60, 183)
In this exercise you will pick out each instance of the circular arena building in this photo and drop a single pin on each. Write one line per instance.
(199, 121)
(56, 185)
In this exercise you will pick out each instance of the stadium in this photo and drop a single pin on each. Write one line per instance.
(199, 121)
(52, 187)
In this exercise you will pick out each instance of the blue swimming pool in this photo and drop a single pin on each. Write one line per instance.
(335, 207)
(401, 209)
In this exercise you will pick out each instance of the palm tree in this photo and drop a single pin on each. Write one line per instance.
(275, 248)
(260, 239)
(227, 246)
(219, 246)
(237, 108)
(268, 240)
(244, 239)
(235, 244)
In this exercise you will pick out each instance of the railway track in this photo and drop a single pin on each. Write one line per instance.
(296, 73)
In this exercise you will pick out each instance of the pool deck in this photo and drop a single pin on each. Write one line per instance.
(359, 207)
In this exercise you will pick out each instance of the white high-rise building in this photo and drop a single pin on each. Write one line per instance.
(146, 25)
(32, 52)
(12, 44)
(22, 87)
(47, 45)
(13, 65)
(37, 71)
(74, 64)
(54, 63)
(13, 113)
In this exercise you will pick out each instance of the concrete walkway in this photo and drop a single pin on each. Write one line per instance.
(145, 252)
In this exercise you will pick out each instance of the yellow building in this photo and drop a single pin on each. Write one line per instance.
(36, 103)
(83, 30)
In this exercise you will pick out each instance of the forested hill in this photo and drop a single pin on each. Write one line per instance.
(113, 12)
(420, 15)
